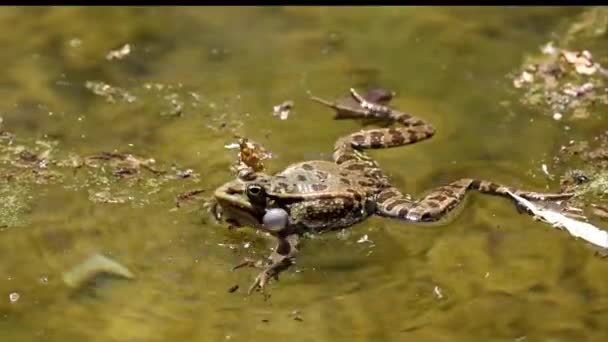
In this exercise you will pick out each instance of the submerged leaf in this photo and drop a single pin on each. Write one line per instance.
(586, 231)
(92, 267)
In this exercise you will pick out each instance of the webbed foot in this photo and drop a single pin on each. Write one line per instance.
(271, 268)
(280, 260)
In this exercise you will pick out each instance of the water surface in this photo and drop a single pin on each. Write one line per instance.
(489, 275)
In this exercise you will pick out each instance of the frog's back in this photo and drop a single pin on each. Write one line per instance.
(320, 177)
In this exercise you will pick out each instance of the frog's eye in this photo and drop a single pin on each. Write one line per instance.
(255, 191)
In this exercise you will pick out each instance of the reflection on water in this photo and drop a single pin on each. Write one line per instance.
(195, 77)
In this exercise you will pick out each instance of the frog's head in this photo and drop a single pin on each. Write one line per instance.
(242, 202)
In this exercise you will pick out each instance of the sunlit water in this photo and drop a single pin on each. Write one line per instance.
(491, 274)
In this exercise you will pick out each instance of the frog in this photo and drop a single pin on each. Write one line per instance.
(322, 195)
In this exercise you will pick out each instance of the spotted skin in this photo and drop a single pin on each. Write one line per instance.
(410, 129)
(440, 201)
(317, 215)
(321, 195)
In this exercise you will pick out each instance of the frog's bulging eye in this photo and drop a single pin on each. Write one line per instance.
(255, 191)
(256, 195)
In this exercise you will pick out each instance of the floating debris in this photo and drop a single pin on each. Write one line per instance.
(364, 239)
(579, 91)
(233, 288)
(14, 297)
(176, 105)
(593, 152)
(563, 83)
(525, 77)
(548, 49)
(75, 42)
(108, 177)
(183, 174)
(296, 315)
(123, 164)
(187, 196)
(344, 234)
(119, 53)
(93, 267)
(106, 196)
(576, 228)
(582, 61)
(282, 110)
(546, 171)
(110, 93)
(73, 161)
(437, 292)
(250, 157)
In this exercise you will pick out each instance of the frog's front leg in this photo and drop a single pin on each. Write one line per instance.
(280, 259)
(440, 201)
(276, 222)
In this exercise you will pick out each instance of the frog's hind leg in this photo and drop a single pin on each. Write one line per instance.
(440, 201)
(409, 129)
(346, 147)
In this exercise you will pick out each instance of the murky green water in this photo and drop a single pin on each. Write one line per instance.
(501, 276)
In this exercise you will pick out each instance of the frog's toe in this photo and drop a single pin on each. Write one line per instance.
(261, 280)
(538, 196)
(247, 262)
(279, 264)
(258, 283)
